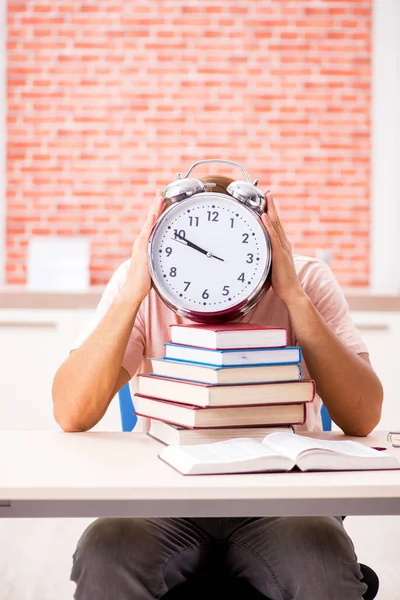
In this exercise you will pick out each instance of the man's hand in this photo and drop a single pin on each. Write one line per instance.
(138, 282)
(284, 278)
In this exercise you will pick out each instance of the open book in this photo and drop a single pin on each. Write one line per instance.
(276, 452)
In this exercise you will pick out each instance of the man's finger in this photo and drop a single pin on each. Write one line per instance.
(272, 212)
(271, 208)
(157, 203)
(272, 232)
(152, 216)
(147, 227)
(155, 211)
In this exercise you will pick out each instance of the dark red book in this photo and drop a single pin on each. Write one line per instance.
(203, 394)
(226, 416)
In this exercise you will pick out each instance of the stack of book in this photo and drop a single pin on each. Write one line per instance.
(217, 382)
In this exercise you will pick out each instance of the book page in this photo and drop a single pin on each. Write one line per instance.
(293, 445)
(240, 449)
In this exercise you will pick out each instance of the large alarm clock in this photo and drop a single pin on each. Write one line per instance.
(209, 253)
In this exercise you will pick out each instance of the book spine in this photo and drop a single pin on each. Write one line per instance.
(192, 406)
(233, 365)
(304, 415)
(301, 422)
(183, 381)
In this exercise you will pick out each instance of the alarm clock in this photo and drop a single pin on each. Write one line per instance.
(209, 253)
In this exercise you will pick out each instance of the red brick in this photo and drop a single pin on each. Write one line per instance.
(108, 100)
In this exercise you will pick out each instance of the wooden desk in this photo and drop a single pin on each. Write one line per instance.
(50, 474)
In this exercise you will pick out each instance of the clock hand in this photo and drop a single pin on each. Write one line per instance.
(183, 240)
(217, 257)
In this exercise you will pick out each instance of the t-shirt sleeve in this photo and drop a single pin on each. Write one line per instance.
(135, 349)
(320, 284)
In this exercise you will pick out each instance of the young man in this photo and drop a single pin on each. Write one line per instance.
(283, 558)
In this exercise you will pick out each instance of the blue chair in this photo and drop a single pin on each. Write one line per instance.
(128, 417)
(326, 419)
(228, 588)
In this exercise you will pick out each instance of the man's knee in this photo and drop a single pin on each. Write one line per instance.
(113, 558)
(298, 558)
(114, 540)
(322, 539)
(321, 557)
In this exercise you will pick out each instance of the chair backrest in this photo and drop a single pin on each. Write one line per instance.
(126, 407)
(326, 419)
(129, 419)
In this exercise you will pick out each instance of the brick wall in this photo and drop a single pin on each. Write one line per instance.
(108, 99)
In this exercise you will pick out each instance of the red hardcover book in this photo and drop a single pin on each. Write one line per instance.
(192, 417)
(203, 394)
(229, 336)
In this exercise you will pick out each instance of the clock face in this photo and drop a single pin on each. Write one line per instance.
(208, 254)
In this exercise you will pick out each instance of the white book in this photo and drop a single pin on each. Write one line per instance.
(245, 356)
(276, 452)
(219, 375)
(229, 336)
(171, 434)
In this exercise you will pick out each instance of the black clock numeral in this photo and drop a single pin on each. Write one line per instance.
(225, 291)
(172, 272)
(249, 258)
(168, 251)
(194, 220)
(205, 294)
(245, 237)
(232, 222)
(187, 283)
(180, 234)
(212, 216)
(241, 277)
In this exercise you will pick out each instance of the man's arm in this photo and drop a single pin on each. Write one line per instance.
(345, 381)
(87, 381)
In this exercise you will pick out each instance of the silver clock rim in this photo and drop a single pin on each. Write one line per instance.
(234, 312)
